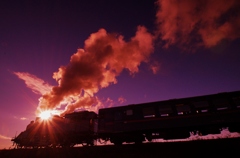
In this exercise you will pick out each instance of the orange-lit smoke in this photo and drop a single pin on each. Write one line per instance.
(200, 22)
(96, 66)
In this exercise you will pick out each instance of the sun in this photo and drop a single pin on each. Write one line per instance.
(45, 115)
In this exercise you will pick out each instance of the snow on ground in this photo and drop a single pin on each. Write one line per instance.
(223, 134)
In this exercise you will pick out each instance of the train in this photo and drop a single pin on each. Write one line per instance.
(136, 123)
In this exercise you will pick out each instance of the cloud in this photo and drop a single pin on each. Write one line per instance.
(23, 118)
(103, 58)
(109, 103)
(36, 84)
(155, 67)
(121, 100)
(5, 137)
(205, 23)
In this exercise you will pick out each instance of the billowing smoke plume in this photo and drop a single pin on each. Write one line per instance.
(96, 66)
(198, 22)
(184, 23)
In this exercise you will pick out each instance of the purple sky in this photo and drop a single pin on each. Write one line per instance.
(37, 37)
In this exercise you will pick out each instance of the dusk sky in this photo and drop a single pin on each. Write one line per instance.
(67, 55)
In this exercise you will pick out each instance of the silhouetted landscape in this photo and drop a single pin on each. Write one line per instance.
(199, 148)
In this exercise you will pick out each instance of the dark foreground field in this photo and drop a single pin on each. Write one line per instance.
(226, 148)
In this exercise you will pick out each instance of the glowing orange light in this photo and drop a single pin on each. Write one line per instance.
(45, 115)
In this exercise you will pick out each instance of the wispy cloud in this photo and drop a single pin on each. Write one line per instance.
(36, 84)
(155, 67)
(23, 118)
(121, 100)
(20, 118)
(5, 137)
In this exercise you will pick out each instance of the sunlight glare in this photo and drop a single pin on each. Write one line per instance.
(45, 115)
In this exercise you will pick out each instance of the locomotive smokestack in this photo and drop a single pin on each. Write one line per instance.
(96, 66)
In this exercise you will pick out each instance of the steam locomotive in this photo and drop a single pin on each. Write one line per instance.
(168, 119)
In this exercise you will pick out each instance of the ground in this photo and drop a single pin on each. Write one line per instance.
(198, 148)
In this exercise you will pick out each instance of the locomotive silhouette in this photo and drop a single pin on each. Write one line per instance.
(168, 119)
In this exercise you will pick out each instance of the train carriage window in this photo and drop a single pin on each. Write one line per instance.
(221, 104)
(165, 110)
(107, 116)
(129, 112)
(183, 109)
(201, 106)
(236, 101)
(118, 116)
(148, 112)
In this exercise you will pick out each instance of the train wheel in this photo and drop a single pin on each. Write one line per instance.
(207, 131)
(34, 147)
(67, 145)
(138, 141)
(234, 129)
(139, 138)
(149, 137)
(91, 143)
(85, 144)
(19, 146)
(117, 142)
(53, 146)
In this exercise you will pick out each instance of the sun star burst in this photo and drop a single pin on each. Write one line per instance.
(45, 115)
